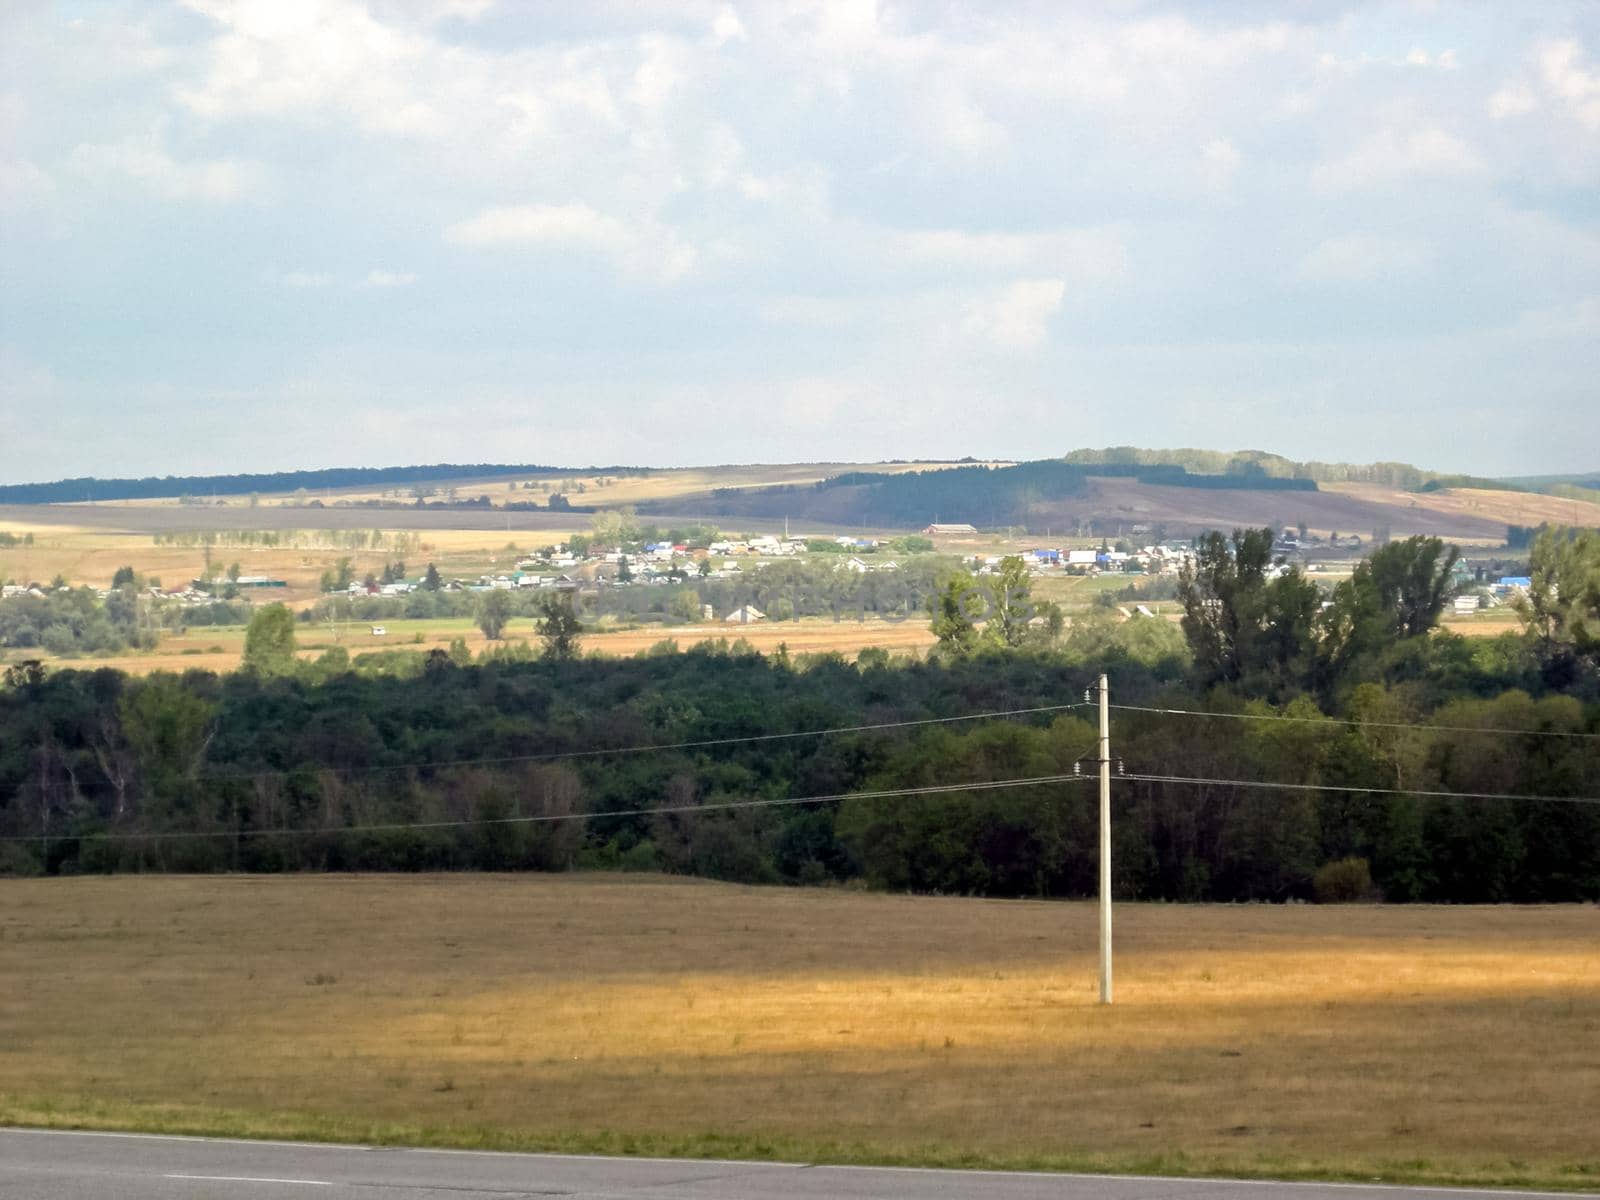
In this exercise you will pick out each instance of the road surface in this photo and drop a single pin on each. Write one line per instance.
(41, 1165)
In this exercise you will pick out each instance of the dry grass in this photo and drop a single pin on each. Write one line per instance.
(93, 555)
(649, 1015)
(221, 648)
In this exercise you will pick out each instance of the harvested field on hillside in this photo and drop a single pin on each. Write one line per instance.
(1509, 508)
(1341, 508)
(220, 648)
(609, 1012)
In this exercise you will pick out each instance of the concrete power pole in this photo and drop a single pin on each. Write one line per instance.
(1105, 843)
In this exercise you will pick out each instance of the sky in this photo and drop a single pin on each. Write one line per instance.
(241, 236)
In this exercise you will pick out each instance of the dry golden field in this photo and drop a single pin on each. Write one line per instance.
(221, 648)
(639, 1014)
(85, 555)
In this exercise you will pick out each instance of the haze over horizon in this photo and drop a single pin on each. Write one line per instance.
(272, 236)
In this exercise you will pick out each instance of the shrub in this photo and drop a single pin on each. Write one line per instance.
(14, 860)
(1346, 881)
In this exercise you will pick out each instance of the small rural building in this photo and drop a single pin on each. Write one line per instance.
(936, 529)
(379, 631)
(745, 615)
(1465, 606)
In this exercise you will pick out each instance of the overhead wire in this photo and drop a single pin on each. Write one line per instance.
(704, 743)
(1357, 722)
(549, 818)
(1353, 790)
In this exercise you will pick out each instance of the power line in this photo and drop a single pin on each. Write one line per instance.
(549, 818)
(558, 755)
(1355, 721)
(1380, 791)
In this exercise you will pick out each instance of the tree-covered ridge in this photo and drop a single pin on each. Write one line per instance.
(977, 495)
(1275, 466)
(70, 491)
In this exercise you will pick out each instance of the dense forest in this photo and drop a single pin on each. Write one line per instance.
(1403, 761)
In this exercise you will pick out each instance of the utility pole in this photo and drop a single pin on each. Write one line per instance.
(1105, 843)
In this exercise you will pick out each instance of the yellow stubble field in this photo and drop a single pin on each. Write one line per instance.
(649, 1015)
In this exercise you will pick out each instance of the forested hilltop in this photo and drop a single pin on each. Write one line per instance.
(1276, 748)
(73, 491)
(1244, 463)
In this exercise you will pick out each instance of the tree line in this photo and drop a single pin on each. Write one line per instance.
(72, 491)
(1404, 748)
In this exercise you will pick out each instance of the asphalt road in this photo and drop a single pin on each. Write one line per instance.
(38, 1165)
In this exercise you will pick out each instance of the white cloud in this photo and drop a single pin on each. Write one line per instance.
(1580, 320)
(145, 162)
(1362, 257)
(24, 184)
(1392, 154)
(389, 279)
(727, 27)
(1513, 100)
(1221, 160)
(1445, 60)
(1096, 255)
(641, 250)
(1559, 80)
(1574, 88)
(1016, 317)
(300, 57)
(302, 279)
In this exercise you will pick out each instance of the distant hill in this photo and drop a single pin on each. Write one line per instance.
(72, 491)
(986, 496)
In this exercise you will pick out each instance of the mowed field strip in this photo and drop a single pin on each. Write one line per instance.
(644, 1015)
(221, 648)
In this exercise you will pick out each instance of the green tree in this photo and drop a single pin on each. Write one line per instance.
(124, 577)
(269, 641)
(954, 609)
(1397, 593)
(167, 726)
(624, 571)
(615, 526)
(494, 612)
(1009, 606)
(1247, 621)
(685, 606)
(431, 581)
(558, 626)
(1561, 609)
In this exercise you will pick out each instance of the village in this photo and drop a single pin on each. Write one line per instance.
(584, 563)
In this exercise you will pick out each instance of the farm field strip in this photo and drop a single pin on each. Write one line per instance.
(595, 1012)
